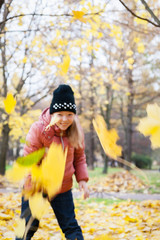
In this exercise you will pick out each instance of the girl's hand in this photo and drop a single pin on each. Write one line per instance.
(83, 186)
(28, 185)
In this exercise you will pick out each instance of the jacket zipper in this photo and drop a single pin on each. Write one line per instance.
(61, 134)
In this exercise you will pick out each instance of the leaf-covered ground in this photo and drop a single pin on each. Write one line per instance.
(124, 220)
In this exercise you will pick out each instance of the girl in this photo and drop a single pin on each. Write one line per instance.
(67, 132)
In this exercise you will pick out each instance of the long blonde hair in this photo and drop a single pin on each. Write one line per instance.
(75, 134)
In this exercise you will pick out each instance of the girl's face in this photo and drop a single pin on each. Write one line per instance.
(64, 119)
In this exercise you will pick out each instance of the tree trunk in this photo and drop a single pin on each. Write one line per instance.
(4, 148)
(129, 117)
(105, 168)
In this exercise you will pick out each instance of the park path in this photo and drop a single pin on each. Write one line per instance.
(104, 195)
(123, 196)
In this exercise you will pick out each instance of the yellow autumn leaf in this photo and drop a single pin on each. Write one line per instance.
(130, 219)
(49, 175)
(38, 205)
(141, 21)
(136, 39)
(54, 119)
(104, 237)
(24, 60)
(119, 79)
(17, 172)
(129, 53)
(20, 229)
(20, 23)
(77, 77)
(140, 48)
(53, 168)
(9, 103)
(120, 43)
(78, 15)
(150, 125)
(115, 86)
(140, 238)
(65, 65)
(128, 93)
(130, 66)
(108, 138)
(130, 60)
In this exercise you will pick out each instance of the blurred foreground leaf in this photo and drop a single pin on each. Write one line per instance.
(38, 205)
(150, 125)
(31, 158)
(9, 103)
(108, 138)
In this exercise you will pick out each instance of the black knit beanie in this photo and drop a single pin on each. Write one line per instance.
(63, 99)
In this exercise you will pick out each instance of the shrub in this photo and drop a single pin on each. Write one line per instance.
(142, 161)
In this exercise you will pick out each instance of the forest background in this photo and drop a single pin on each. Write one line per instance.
(108, 51)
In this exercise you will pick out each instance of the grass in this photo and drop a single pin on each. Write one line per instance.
(153, 180)
(91, 201)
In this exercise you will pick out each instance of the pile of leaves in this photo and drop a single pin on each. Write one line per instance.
(125, 220)
(120, 182)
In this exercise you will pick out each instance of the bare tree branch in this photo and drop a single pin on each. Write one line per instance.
(151, 12)
(5, 14)
(135, 15)
(47, 15)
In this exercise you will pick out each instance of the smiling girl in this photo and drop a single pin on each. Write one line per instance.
(66, 131)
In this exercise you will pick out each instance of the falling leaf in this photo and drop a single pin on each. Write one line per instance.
(9, 103)
(31, 158)
(54, 119)
(17, 172)
(53, 168)
(65, 65)
(49, 175)
(150, 125)
(20, 229)
(38, 205)
(108, 138)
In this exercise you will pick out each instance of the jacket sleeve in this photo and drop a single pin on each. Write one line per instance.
(33, 139)
(80, 165)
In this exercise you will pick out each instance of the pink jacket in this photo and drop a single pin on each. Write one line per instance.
(76, 160)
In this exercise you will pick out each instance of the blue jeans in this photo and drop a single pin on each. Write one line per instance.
(63, 207)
